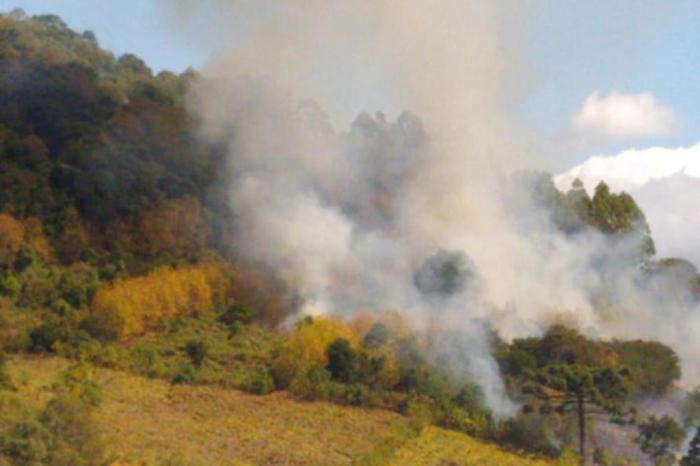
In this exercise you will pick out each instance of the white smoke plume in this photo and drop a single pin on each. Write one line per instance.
(349, 216)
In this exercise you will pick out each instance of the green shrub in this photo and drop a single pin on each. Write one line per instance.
(568, 458)
(471, 399)
(25, 443)
(89, 256)
(147, 361)
(361, 395)
(341, 361)
(419, 410)
(186, 375)
(316, 384)
(459, 419)
(77, 381)
(237, 314)
(653, 366)
(197, 351)
(528, 432)
(10, 286)
(45, 337)
(61, 307)
(25, 258)
(77, 284)
(176, 324)
(74, 437)
(351, 366)
(100, 353)
(62, 434)
(376, 336)
(260, 382)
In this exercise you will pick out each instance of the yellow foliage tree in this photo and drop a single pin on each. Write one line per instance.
(11, 233)
(129, 307)
(305, 349)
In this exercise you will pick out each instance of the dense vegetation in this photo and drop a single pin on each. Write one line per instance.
(113, 254)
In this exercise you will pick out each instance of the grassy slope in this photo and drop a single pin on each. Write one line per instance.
(230, 360)
(145, 420)
(437, 446)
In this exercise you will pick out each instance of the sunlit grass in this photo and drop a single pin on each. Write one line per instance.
(436, 446)
(151, 422)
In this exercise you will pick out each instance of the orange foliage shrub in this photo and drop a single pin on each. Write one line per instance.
(129, 307)
(11, 233)
(305, 349)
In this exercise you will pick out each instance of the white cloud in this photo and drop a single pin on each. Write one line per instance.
(633, 168)
(619, 116)
(665, 182)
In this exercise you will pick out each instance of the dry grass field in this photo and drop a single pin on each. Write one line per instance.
(435, 446)
(150, 422)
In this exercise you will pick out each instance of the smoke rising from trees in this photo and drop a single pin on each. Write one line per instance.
(349, 216)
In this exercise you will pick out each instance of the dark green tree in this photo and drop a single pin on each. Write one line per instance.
(619, 214)
(659, 437)
(653, 366)
(578, 207)
(197, 351)
(377, 335)
(691, 408)
(341, 360)
(444, 274)
(237, 315)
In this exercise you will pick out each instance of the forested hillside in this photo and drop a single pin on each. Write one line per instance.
(114, 257)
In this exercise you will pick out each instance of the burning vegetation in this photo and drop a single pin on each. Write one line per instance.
(215, 229)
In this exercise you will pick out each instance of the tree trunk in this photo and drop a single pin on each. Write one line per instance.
(581, 411)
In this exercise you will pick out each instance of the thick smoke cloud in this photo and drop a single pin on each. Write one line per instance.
(348, 217)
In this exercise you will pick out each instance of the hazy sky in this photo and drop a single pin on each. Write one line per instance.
(621, 49)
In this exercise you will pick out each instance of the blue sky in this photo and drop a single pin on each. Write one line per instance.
(575, 48)
(630, 46)
(123, 26)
